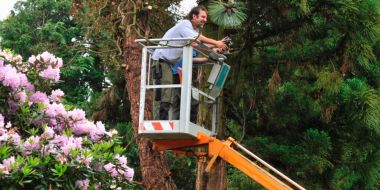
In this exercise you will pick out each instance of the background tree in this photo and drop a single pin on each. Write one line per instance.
(37, 25)
(125, 21)
(304, 90)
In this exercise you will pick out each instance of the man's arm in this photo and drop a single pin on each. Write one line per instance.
(186, 30)
(215, 43)
(199, 60)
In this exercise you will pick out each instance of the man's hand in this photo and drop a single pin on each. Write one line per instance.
(220, 44)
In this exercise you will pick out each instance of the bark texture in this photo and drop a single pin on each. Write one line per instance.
(217, 177)
(154, 168)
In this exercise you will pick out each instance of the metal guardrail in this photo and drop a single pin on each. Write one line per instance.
(185, 127)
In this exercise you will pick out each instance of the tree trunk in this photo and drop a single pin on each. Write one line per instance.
(154, 168)
(217, 177)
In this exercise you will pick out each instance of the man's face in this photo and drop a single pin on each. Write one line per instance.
(200, 19)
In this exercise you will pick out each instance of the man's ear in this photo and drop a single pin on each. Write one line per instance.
(193, 16)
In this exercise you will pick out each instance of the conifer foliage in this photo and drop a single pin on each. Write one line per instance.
(307, 78)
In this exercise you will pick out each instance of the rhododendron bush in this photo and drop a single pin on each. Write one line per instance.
(44, 145)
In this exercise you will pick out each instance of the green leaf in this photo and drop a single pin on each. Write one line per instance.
(4, 152)
(26, 171)
(227, 16)
(33, 161)
(74, 152)
(59, 170)
(33, 131)
(68, 132)
(119, 150)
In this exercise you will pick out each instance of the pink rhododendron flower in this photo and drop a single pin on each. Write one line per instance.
(110, 168)
(18, 58)
(12, 81)
(113, 132)
(60, 140)
(7, 165)
(50, 73)
(97, 133)
(53, 122)
(126, 173)
(77, 141)
(32, 143)
(23, 80)
(56, 95)
(2, 127)
(4, 70)
(49, 149)
(46, 57)
(7, 56)
(2, 131)
(55, 110)
(77, 115)
(67, 148)
(129, 174)
(21, 97)
(11, 78)
(72, 143)
(3, 170)
(1, 62)
(9, 125)
(3, 137)
(48, 133)
(29, 86)
(81, 128)
(39, 97)
(122, 159)
(97, 186)
(12, 107)
(82, 184)
(62, 158)
(32, 59)
(84, 159)
(14, 139)
(1, 121)
(59, 63)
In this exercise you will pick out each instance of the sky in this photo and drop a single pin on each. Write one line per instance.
(5, 8)
(186, 5)
(7, 5)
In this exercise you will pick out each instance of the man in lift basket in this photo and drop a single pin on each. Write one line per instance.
(165, 59)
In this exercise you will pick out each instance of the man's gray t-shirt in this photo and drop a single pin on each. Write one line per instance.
(184, 29)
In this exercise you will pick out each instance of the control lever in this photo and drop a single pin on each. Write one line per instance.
(216, 56)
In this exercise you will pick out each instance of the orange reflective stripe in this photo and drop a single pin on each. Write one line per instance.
(157, 126)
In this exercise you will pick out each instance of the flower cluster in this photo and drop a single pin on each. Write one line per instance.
(48, 63)
(40, 137)
(11, 78)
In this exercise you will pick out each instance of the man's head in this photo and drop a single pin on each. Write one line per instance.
(198, 16)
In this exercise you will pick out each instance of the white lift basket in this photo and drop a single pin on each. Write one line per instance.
(182, 128)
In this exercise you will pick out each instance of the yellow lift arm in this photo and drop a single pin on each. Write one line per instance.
(224, 150)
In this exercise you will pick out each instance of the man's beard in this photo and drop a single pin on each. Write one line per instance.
(200, 25)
